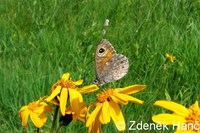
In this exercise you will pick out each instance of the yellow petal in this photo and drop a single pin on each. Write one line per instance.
(73, 94)
(24, 116)
(39, 110)
(84, 114)
(132, 89)
(75, 103)
(43, 117)
(48, 108)
(168, 119)
(96, 126)
(88, 89)
(105, 113)
(79, 82)
(54, 94)
(92, 117)
(23, 108)
(132, 99)
(167, 55)
(83, 105)
(43, 98)
(69, 111)
(75, 106)
(195, 106)
(63, 100)
(175, 107)
(56, 102)
(43, 104)
(118, 98)
(83, 111)
(65, 76)
(37, 121)
(43, 108)
(117, 116)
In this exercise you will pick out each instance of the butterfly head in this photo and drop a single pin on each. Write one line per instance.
(98, 82)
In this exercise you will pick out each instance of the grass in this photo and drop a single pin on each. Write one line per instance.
(41, 40)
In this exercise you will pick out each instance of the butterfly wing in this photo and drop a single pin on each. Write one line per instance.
(104, 53)
(109, 65)
(115, 69)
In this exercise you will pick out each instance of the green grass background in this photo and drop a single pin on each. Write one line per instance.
(42, 39)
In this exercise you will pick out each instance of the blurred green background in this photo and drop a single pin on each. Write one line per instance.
(42, 39)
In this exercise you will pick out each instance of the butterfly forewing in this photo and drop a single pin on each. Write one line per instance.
(102, 58)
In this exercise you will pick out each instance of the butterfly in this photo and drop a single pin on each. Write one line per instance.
(110, 66)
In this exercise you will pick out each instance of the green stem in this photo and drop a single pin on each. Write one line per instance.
(58, 129)
(54, 119)
(38, 130)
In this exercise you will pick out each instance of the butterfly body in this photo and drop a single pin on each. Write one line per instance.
(110, 66)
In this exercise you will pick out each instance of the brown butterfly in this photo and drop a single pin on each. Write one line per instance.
(110, 66)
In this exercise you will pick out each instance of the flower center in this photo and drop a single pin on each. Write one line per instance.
(32, 106)
(69, 110)
(64, 84)
(193, 121)
(68, 84)
(105, 95)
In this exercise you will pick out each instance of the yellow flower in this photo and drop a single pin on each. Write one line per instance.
(66, 89)
(107, 106)
(37, 112)
(172, 58)
(73, 113)
(186, 119)
(76, 111)
(84, 115)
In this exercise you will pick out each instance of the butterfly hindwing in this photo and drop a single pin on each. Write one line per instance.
(115, 69)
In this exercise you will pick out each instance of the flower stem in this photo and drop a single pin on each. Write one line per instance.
(58, 129)
(38, 130)
(54, 119)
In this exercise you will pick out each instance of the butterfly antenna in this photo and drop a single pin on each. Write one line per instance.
(106, 24)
